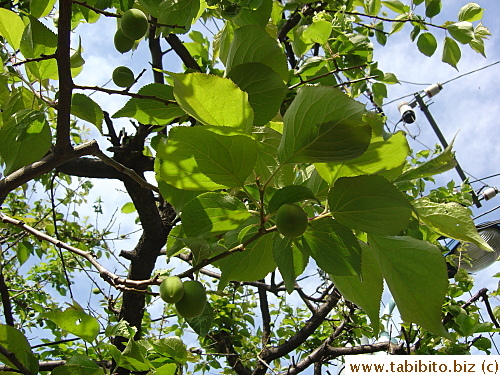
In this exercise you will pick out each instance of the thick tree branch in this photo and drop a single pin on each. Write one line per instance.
(7, 305)
(182, 52)
(156, 55)
(63, 141)
(294, 20)
(266, 316)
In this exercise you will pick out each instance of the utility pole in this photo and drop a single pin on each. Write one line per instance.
(430, 92)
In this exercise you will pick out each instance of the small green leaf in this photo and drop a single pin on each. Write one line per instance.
(369, 203)
(477, 44)
(212, 214)
(470, 12)
(451, 52)
(441, 163)
(203, 324)
(415, 272)
(213, 100)
(11, 27)
(265, 89)
(318, 32)
(323, 125)
(432, 8)
(76, 322)
(396, 6)
(289, 194)
(172, 347)
(41, 8)
(24, 250)
(253, 263)
(86, 109)
(151, 111)
(134, 357)
(253, 44)
(180, 13)
(364, 291)
(427, 44)
(259, 16)
(462, 32)
(14, 341)
(451, 220)
(128, 208)
(195, 158)
(333, 247)
(290, 260)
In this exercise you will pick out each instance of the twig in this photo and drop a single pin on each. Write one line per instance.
(338, 70)
(35, 59)
(94, 9)
(389, 19)
(488, 307)
(124, 92)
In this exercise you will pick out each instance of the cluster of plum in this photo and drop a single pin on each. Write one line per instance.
(190, 297)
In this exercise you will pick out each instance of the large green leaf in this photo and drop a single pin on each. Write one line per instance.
(195, 158)
(172, 347)
(11, 27)
(213, 100)
(151, 111)
(38, 40)
(381, 157)
(323, 125)
(78, 365)
(333, 247)
(85, 108)
(290, 260)
(253, 44)
(364, 291)
(369, 203)
(415, 272)
(180, 13)
(252, 264)
(462, 32)
(265, 89)
(75, 321)
(451, 52)
(176, 197)
(470, 12)
(427, 44)
(14, 341)
(41, 8)
(211, 214)
(25, 139)
(259, 16)
(451, 220)
(440, 164)
(134, 357)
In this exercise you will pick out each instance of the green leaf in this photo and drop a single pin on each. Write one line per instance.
(11, 27)
(128, 208)
(134, 357)
(41, 8)
(369, 203)
(432, 7)
(290, 260)
(168, 369)
(451, 52)
(253, 44)
(373, 7)
(86, 109)
(396, 6)
(323, 125)
(415, 272)
(381, 157)
(14, 341)
(451, 220)
(180, 13)
(176, 197)
(195, 158)
(24, 250)
(289, 194)
(333, 247)
(76, 322)
(211, 214)
(25, 139)
(364, 291)
(213, 100)
(470, 12)
(264, 87)
(151, 111)
(76, 60)
(204, 323)
(172, 347)
(462, 32)
(79, 365)
(318, 32)
(253, 263)
(427, 44)
(259, 16)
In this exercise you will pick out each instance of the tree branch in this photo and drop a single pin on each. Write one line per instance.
(7, 305)
(35, 59)
(15, 361)
(181, 51)
(266, 316)
(124, 92)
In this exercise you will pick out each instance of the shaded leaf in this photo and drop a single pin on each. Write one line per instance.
(369, 203)
(172, 347)
(289, 194)
(14, 341)
(290, 260)
(180, 13)
(86, 109)
(427, 44)
(415, 272)
(451, 52)
(462, 32)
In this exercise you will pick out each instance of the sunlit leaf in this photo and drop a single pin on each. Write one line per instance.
(451, 52)
(76, 322)
(11, 27)
(14, 341)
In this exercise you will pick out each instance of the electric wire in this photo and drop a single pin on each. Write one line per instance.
(486, 213)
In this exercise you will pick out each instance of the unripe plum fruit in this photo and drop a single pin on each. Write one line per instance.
(291, 220)
(194, 300)
(134, 24)
(171, 289)
(123, 77)
(122, 43)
